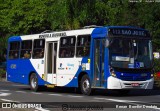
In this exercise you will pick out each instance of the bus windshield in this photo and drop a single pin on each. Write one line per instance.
(130, 53)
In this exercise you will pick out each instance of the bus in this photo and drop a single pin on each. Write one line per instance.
(113, 57)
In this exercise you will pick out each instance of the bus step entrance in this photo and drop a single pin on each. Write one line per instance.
(50, 85)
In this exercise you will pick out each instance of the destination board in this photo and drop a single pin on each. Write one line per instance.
(128, 32)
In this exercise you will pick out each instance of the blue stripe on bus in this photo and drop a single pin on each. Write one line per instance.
(16, 73)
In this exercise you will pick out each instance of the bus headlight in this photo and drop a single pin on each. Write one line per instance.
(152, 75)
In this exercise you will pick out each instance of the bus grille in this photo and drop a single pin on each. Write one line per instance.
(133, 78)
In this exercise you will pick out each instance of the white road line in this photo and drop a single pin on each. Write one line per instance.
(95, 101)
(99, 98)
(116, 100)
(21, 91)
(4, 90)
(55, 94)
(41, 109)
(36, 93)
(18, 85)
(7, 100)
(75, 96)
(123, 101)
(128, 102)
(4, 94)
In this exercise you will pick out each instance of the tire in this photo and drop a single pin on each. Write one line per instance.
(34, 82)
(85, 85)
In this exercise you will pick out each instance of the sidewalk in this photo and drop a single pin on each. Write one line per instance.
(3, 79)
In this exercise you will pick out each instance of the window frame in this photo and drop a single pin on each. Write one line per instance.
(67, 49)
(40, 54)
(16, 50)
(28, 49)
(78, 45)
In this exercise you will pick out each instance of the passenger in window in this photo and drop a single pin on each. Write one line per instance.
(41, 54)
(63, 53)
(86, 49)
(80, 53)
(11, 55)
(27, 55)
(16, 55)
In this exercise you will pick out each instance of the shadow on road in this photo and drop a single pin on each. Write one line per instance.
(98, 92)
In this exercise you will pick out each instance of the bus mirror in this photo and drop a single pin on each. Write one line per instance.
(107, 43)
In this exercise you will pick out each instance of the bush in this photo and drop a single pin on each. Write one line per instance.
(157, 65)
(157, 71)
(2, 73)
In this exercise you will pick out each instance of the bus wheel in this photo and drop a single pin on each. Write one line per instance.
(85, 85)
(34, 82)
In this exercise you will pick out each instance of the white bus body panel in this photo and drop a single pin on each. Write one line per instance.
(115, 83)
(70, 65)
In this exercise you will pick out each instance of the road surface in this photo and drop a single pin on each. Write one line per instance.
(66, 99)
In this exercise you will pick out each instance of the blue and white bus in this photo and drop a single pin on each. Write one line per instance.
(112, 57)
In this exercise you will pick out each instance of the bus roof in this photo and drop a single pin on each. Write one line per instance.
(96, 32)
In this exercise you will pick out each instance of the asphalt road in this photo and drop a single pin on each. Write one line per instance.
(66, 99)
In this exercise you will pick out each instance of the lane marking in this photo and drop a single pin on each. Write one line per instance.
(21, 91)
(35, 93)
(123, 101)
(41, 109)
(18, 85)
(128, 102)
(55, 94)
(7, 100)
(75, 96)
(116, 100)
(4, 90)
(4, 94)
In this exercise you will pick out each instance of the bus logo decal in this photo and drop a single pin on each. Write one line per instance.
(52, 35)
(60, 67)
(13, 66)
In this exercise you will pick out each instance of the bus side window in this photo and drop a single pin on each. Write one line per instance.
(38, 50)
(83, 45)
(67, 47)
(26, 49)
(14, 50)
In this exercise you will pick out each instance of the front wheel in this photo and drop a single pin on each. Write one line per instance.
(34, 82)
(85, 85)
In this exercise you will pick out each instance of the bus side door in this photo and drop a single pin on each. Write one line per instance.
(98, 63)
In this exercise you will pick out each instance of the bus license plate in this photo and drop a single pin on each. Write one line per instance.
(135, 84)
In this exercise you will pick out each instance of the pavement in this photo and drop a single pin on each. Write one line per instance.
(66, 99)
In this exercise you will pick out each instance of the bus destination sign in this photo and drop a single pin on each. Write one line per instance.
(128, 32)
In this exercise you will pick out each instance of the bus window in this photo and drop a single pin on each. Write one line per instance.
(38, 50)
(67, 47)
(83, 45)
(14, 50)
(26, 48)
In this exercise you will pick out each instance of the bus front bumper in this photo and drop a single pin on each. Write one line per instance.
(115, 83)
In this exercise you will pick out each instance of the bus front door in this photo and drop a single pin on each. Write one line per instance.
(51, 60)
(98, 59)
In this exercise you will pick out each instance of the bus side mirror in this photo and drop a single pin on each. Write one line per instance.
(107, 43)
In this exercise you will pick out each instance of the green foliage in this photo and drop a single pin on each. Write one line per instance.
(2, 73)
(157, 65)
(19, 17)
